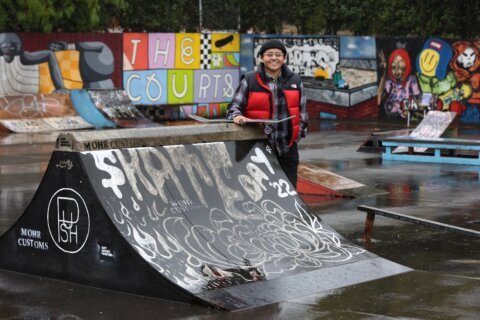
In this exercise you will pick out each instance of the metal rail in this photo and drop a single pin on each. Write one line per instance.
(372, 211)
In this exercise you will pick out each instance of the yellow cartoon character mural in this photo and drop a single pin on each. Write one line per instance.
(433, 74)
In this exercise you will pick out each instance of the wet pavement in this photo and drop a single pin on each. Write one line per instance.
(444, 285)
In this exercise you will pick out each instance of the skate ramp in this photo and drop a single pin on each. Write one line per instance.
(117, 107)
(213, 221)
(432, 126)
(40, 113)
(86, 108)
(315, 184)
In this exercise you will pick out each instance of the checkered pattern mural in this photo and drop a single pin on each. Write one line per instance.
(206, 51)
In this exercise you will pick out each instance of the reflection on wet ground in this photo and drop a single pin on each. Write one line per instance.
(445, 285)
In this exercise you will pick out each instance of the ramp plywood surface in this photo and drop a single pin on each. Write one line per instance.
(40, 113)
(116, 106)
(432, 126)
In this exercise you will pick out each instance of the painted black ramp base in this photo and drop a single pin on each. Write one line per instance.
(65, 234)
(213, 222)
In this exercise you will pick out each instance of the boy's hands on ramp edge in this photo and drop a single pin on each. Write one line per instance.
(240, 120)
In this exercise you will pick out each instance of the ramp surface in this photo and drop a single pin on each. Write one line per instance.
(86, 108)
(215, 222)
(117, 107)
(40, 113)
(318, 180)
(432, 126)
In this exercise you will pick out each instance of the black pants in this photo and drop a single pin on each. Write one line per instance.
(289, 163)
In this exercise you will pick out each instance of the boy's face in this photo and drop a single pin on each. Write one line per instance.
(273, 59)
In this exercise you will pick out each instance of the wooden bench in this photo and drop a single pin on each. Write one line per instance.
(372, 211)
(454, 151)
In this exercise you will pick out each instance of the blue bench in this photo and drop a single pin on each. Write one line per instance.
(440, 150)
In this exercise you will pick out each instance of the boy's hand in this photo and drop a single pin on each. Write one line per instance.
(240, 120)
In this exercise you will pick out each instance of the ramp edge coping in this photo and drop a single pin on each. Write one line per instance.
(158, 136)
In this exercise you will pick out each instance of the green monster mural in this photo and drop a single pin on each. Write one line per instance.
(435, 77)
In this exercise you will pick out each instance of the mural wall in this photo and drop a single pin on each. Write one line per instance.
(199, 72)
(339, 73)
(428, 74)
(308, 56)
(39, 71)
(42, 63)
(171, 75)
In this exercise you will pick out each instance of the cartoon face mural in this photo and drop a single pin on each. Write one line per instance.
(433, 74)
(398, 88)
(433, 59)
(19, 79)
(467, 58)
(398, 67)
(464, 62)
(10, 46)
(466, 67)
(428, 62)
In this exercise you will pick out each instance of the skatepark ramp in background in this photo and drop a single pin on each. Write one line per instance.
(433, 125)
(76, 109)
(194, 213)
(118, 108)
(30, 113)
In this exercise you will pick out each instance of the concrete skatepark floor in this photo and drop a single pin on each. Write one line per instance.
(444, 285)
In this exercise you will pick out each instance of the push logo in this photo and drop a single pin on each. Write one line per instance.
(68, 220)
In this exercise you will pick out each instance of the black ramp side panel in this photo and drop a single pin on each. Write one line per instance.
(65, 234)
(221, 221)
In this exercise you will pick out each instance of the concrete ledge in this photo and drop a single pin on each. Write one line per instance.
(158, 136)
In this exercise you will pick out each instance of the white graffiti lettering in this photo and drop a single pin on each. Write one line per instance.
(130, 168)
(135, 43)
(40, 245)
(251, 187)
(229, 91)
(216, 77)
(257, 174)
(163, 52)
(174, 86)
(130, 96)
(260, 157)
(161, 170)
(117, 178)
(151, 79)
(204, 87)
(30, 233)
(67, 219)
(283, 188)
(186, 51)
(191, 163)
(218, 161)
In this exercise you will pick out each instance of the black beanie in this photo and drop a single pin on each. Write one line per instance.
(272, 44)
